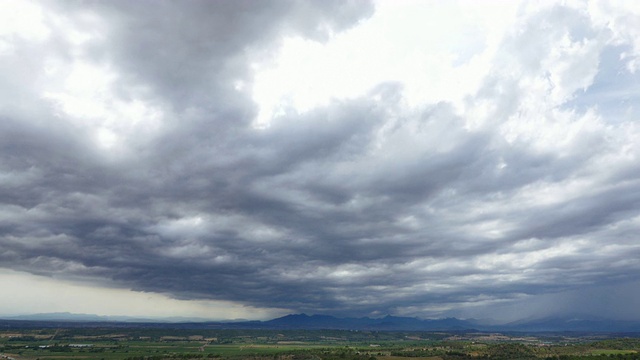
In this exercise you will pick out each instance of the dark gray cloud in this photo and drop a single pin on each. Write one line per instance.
(362, 206)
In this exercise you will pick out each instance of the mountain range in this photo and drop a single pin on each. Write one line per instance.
(317, 322)
(71, 317)
(303, 321)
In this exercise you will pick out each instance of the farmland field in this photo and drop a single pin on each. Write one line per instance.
(123, 343)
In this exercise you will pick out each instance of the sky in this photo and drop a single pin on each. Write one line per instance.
(250, 159)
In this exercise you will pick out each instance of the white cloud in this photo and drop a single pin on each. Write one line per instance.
(21, 18)
(425, 46)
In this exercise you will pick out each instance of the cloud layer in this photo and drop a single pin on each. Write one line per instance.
(130, 157)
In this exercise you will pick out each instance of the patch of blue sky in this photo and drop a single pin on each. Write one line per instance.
(615, 92)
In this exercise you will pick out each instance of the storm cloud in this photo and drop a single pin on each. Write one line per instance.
(130, 157)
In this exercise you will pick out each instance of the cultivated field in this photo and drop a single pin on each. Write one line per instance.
(110, 343)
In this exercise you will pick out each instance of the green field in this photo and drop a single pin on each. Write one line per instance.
(612, 352)
(156, 344)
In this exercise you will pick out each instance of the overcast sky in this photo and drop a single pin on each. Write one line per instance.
(249, 159)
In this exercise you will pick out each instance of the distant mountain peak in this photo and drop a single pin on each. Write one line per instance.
(568, 322)
(388, 322)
